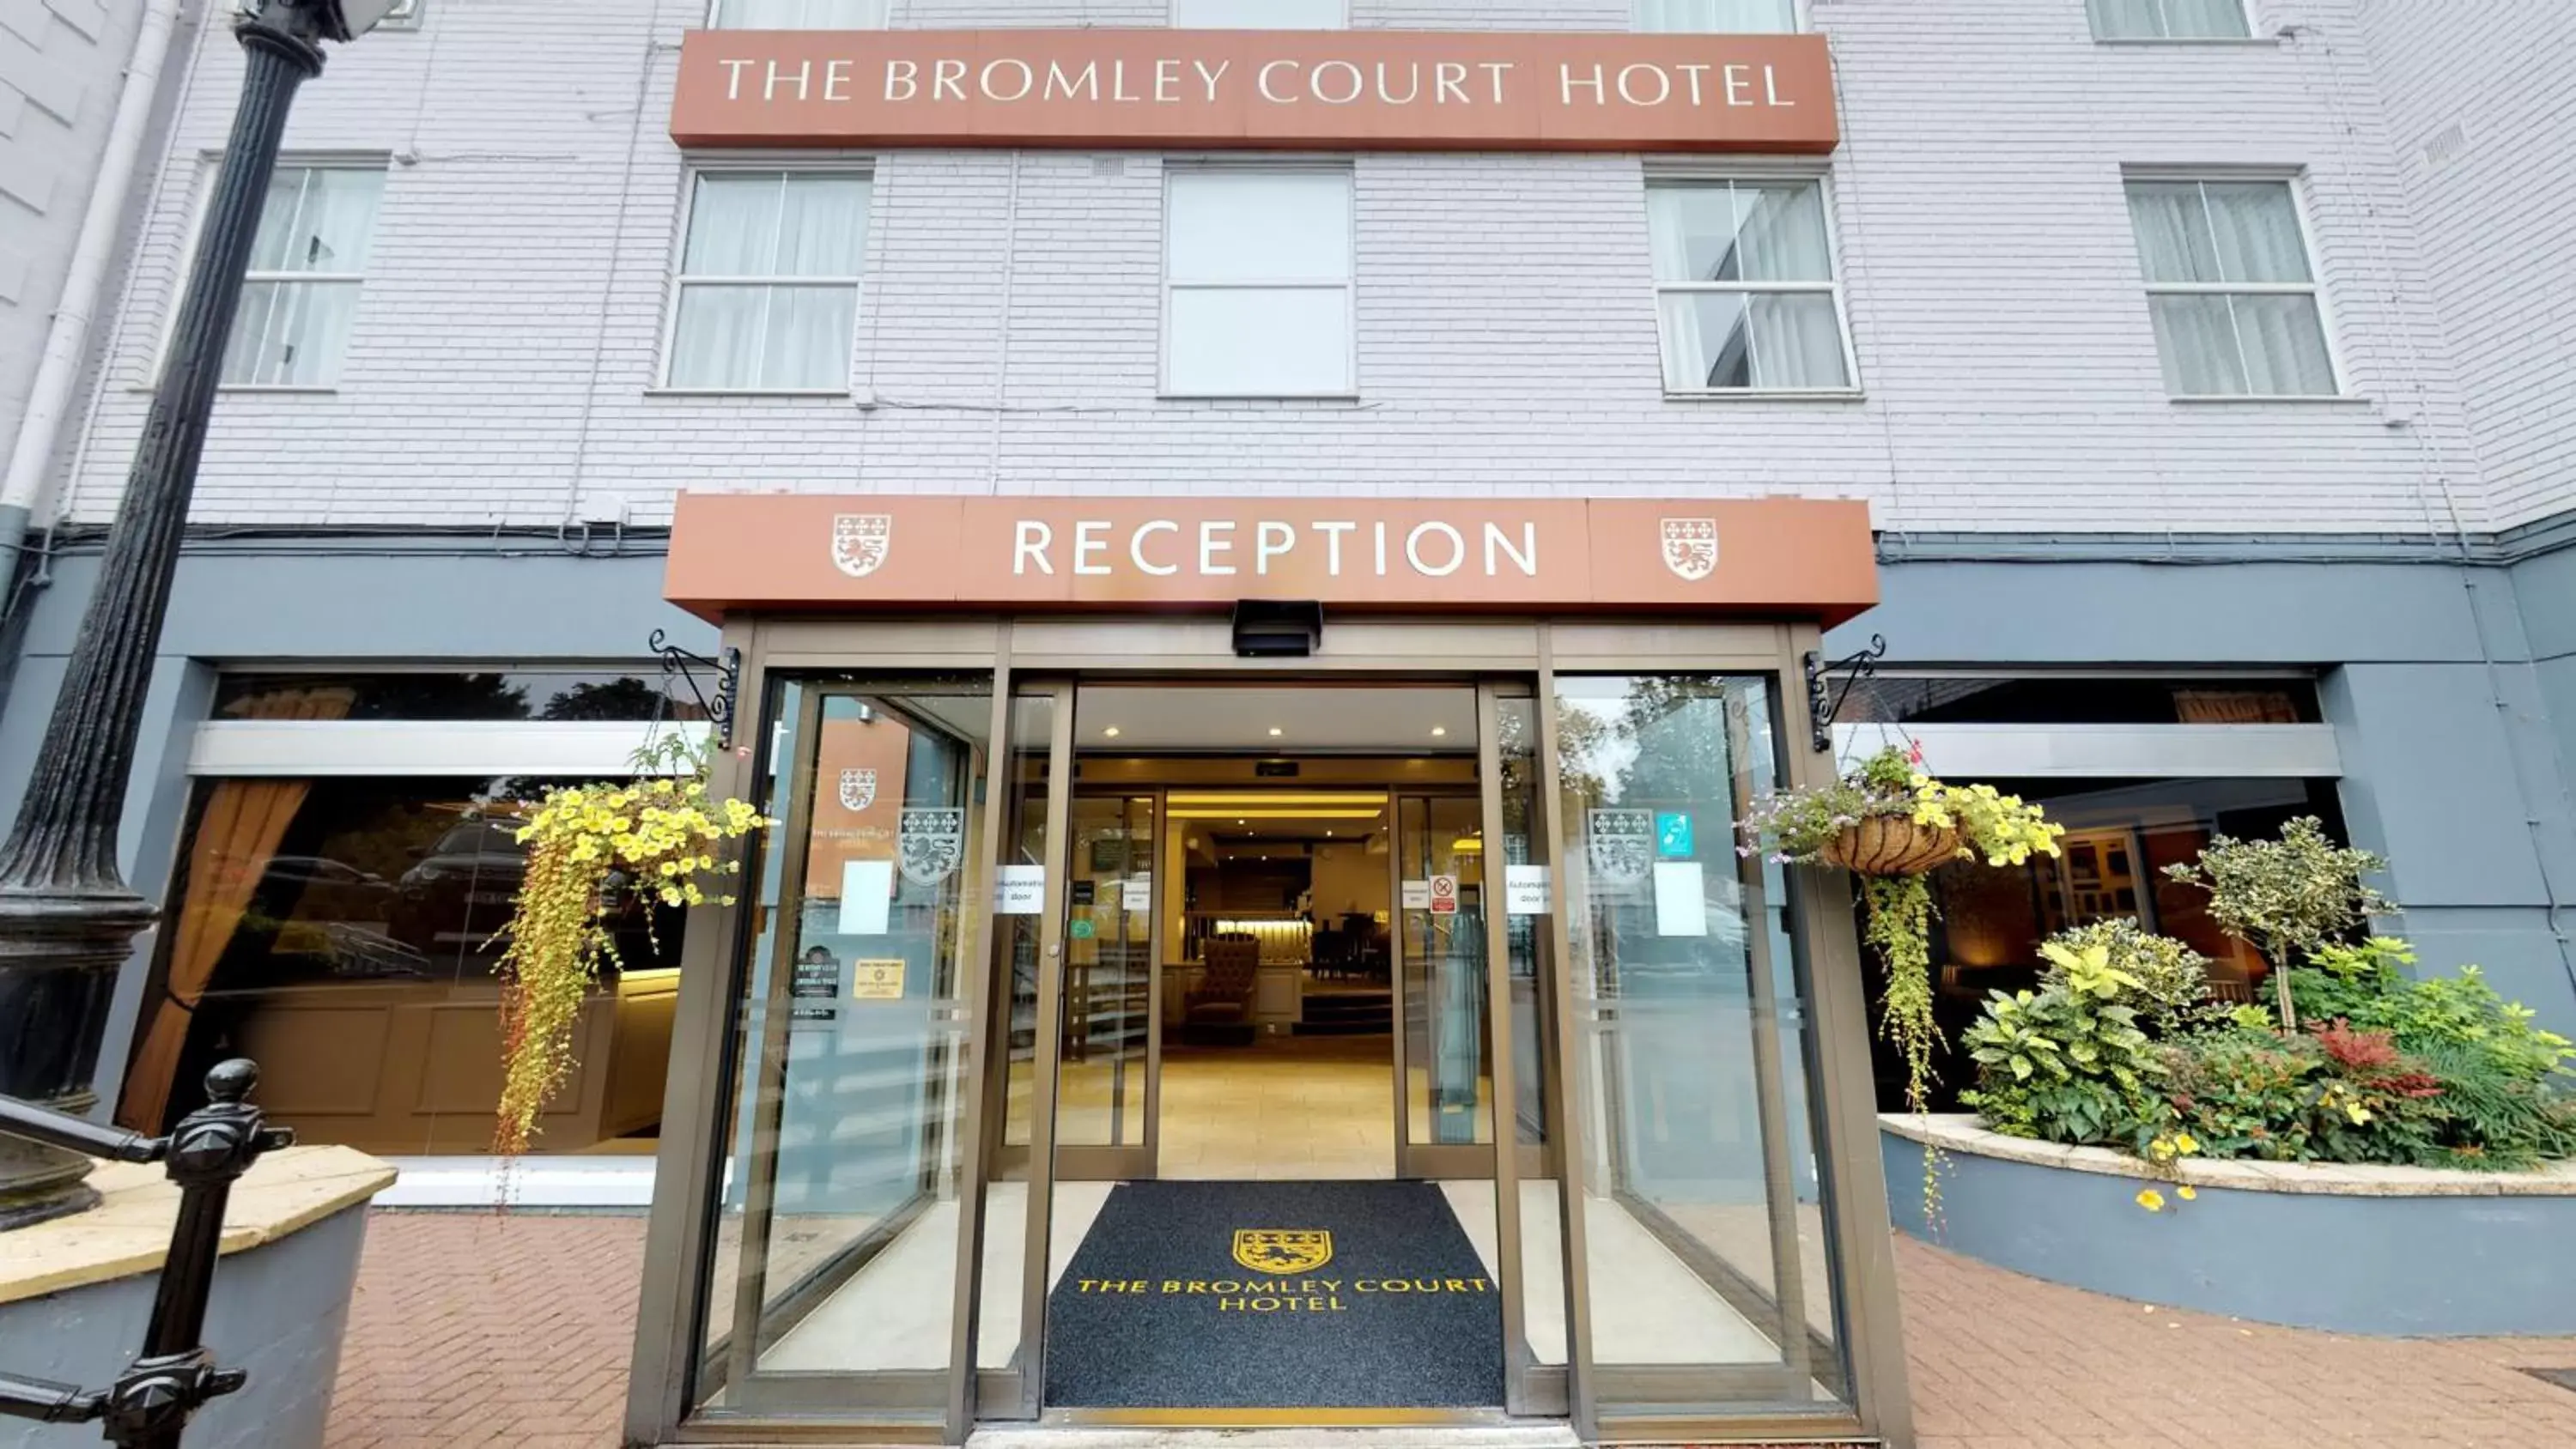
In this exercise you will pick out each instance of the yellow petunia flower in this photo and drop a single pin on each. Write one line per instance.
(2152, 1200)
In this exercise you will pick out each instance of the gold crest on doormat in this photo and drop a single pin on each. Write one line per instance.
(1282, 1250)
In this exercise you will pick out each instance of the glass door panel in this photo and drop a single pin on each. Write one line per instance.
(1699, 1195)
(1003, 1350)
(1104, 1117)
(1446, 1080)
(835, 1291)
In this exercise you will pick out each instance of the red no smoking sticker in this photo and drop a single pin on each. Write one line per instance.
(1444, 895)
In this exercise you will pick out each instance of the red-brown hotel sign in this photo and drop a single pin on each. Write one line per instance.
(1251, 89)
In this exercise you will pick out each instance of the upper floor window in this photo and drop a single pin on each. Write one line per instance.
(798, 15)
(1744, 276)
(2228, 281)
(1257, 278)
(767, 299)
(2169, 19)
(1719, 17)
(1260, 14)
(307, 266)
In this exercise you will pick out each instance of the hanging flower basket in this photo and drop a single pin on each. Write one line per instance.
(1891, 845)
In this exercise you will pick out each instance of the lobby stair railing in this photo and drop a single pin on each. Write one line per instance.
(149, 1406)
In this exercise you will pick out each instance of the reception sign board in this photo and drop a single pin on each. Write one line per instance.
(1348, 90)
(1775, 556)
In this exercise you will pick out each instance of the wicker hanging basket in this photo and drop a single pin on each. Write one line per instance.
(1891, 845)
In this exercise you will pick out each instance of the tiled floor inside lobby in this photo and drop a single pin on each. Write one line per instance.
(1284, 1108)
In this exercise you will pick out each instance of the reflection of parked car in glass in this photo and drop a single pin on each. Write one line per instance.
(462, 889)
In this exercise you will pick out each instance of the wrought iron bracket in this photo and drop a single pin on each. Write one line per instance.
(1823, 701)
(685, 666)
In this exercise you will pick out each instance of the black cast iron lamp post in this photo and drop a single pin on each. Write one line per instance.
(67, 919)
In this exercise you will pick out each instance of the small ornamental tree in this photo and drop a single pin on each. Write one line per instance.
(2286, 898)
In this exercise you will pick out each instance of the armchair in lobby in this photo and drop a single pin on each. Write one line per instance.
(1218, 1010)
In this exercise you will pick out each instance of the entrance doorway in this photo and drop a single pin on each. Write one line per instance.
(1275, 1026)
(948, 1180)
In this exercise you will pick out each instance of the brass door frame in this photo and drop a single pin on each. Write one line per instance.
(680, 1234)
(1432, 1161)
(1139, 1161)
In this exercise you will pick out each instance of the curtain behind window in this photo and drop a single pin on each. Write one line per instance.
(747, 334)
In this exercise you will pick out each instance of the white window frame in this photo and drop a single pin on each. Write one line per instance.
(2291, 180)
(201, 203)
(677, 280)
(1170, 21)
(2253, 31)
(715, 16)
(1824, 183)
(1801, 20)
(1349, 285)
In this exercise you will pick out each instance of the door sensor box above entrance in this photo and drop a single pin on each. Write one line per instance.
(1276, 627)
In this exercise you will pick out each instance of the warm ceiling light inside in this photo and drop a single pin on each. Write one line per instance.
(1276, 732)
(1438, 730)
(1277, 799)
(1111, 732)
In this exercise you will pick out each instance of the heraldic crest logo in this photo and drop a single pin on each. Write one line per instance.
(1282, 1250)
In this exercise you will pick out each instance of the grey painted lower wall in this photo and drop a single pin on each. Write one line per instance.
(278, 1311)
(2391, 1266)
(2452, 686)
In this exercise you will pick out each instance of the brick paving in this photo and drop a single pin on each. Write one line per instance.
(471, 1329)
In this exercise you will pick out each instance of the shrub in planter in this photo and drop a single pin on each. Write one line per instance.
(2066, 1063)
(2287, 898)
(2170, 987)
(2507, 1095)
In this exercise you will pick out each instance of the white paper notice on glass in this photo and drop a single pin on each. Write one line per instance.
(1417, 895)
(1525, 890)
(1681, 899)
(1020, 890)
(1140, 894)
(866, 888)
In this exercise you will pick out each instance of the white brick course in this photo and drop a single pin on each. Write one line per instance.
(505, 350)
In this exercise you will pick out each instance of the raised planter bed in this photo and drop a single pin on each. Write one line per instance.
(2390, 1251)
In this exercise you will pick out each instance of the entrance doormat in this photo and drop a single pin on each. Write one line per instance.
(1239, 1295)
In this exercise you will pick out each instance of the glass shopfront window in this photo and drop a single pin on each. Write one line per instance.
(1988, 924)
(559, 696)
(340, 932)
(1704, 1216)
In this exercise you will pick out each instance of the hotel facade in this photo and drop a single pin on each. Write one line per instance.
(1256, 551)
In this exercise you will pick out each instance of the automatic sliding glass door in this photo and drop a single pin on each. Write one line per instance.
(836, 1267)
(1108, 1048)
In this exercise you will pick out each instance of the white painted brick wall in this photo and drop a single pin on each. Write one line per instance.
(508, 337)
(2495, 208)
(61, 62)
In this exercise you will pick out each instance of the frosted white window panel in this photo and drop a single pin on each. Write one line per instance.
(799, 15)
(1258, 283)
(1745, 287)
(1260, 14)
(1718, 17)
(2169, 20)
(308, 264)
(767, 298)
(2230, 289)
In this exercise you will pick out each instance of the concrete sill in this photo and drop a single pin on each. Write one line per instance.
(2192, 42)
(129, 1232)
(2298, 400)
(1961, 1133)
(1219, 399)
(1774, 395)
(752, 394)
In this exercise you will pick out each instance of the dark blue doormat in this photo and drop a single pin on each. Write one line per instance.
(1243, 1295)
